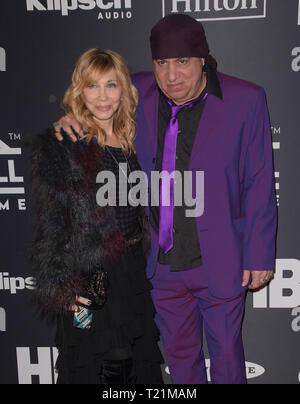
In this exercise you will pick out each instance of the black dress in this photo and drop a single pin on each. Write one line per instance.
(126, 319)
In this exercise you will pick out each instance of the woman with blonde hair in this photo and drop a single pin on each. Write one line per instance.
(89, 259)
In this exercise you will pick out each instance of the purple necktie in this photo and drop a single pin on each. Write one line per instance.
(166, 211)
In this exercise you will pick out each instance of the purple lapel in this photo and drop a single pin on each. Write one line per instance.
(206, 126)
(150, 106)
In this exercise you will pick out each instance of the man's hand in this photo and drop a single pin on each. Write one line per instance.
(258, 278)
(67, 122)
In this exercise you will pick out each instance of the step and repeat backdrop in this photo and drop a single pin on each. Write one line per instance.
(257, 40)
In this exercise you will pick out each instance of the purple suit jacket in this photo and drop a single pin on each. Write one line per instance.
(233, 146)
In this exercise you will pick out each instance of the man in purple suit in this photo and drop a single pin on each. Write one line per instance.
(193, 118)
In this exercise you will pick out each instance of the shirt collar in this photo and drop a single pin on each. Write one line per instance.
(213, 84)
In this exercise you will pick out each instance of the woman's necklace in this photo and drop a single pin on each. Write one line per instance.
(124, 173)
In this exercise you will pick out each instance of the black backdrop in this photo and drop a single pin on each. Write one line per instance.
(258, 40)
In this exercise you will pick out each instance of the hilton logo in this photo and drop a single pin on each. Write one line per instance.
(214, 10)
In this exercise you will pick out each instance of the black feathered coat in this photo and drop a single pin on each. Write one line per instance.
(74, 236)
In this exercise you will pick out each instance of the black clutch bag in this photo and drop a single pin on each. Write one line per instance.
(96, 287)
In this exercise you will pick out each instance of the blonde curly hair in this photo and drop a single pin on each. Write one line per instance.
(88, 69)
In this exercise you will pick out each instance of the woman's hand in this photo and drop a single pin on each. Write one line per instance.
(76, 307)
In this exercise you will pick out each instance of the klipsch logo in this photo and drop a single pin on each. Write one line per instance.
(2, 60)
(13, 284)
(213, 10)
(107, 10)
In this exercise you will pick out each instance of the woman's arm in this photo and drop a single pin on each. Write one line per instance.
(54, 264)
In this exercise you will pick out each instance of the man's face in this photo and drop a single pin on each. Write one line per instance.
(180, 79)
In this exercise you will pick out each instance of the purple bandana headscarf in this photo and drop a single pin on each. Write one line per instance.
(179, 35)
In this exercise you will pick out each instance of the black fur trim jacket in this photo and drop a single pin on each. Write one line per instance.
(74, 236)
